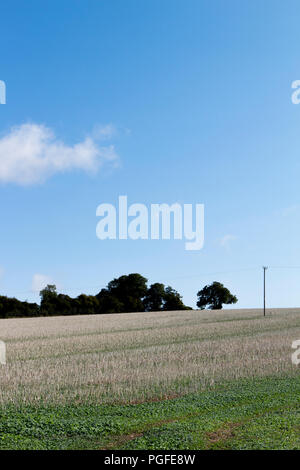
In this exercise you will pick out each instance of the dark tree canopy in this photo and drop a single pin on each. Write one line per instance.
(11, 307)
(172, 300)
(127, 293)
(124, 294)
(86, 305)
(154, 298)
(159, 298)
(108, 302)
(49, 300)
(214, 296)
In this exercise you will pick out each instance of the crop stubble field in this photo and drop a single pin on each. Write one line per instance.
(147, 377)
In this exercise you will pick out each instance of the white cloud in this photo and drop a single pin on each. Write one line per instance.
(104, 132)
(39, 281)
(225, 241)
(30, 153)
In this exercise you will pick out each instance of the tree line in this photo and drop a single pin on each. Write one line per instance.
(128, 293)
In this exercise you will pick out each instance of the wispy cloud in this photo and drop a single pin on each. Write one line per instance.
(291, 210)
(39, 281)
(104, 132)
(226, 240)
(31, 153)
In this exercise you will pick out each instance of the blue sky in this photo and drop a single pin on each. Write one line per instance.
(194, 100)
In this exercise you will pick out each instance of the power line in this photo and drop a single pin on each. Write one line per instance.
(213, 273)
(284, 267)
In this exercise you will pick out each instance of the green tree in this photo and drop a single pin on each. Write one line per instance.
(172, 300)
(85, 305)
(11, 307)
(49, 300)
(124, 294)
(108, 302)
(214, 296)
(154, 298)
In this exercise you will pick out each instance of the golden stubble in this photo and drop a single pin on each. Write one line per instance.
(141, 356)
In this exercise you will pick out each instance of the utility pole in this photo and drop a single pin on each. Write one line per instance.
(265, 268)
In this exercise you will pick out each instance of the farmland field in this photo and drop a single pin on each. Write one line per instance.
(167, 380)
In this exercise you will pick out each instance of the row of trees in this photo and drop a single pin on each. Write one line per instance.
(128, 293)
(125, 294)
(11, 307)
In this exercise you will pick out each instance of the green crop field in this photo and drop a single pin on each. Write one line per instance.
(167, 380)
